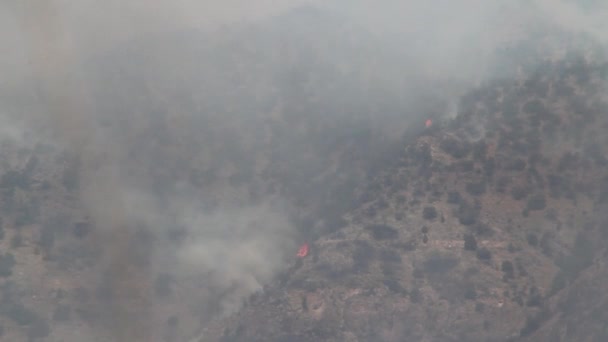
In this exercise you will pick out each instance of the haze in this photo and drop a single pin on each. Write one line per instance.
(203, 133)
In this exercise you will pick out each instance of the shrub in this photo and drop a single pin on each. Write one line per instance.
(489, 166)
(418, 273)
(416, 295)
(7, 262)
(568, 161)
(20, 314)
(467, 214)
(62, 313)
(536, 202)
(173, 321)
(532, 239)
(470, 243)
(437, 263)
(479, 150)
(81, 229)
(70, 177)
(47, 238)
(477, 188)
(517, 164)
(508, 269)
(535, 298)
(394, 286)
(519, 192)
(383, 232)
(482, 229)
(14, 179)
(470, 293)
(17, 241)
(429, 213)
(484, 254)
(364, 253)
(39, 329)
(501, 184)
(454, 197)
(390, 256)
(455, 148)
(466, 166)
(162, 285)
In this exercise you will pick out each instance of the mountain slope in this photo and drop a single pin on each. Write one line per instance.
(488, 229)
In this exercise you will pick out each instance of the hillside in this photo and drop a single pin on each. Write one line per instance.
(489, 228)
(207, 159)
(194, 148)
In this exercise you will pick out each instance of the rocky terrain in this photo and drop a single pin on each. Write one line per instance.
(219, 154)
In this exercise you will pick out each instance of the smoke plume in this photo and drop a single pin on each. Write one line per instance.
(203, 132)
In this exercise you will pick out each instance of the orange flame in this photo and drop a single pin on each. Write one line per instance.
(303, 251)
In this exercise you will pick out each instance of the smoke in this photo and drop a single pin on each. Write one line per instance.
(196, 137)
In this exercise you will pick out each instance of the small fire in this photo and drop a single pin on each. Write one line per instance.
(303, 251)
(428, 123)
